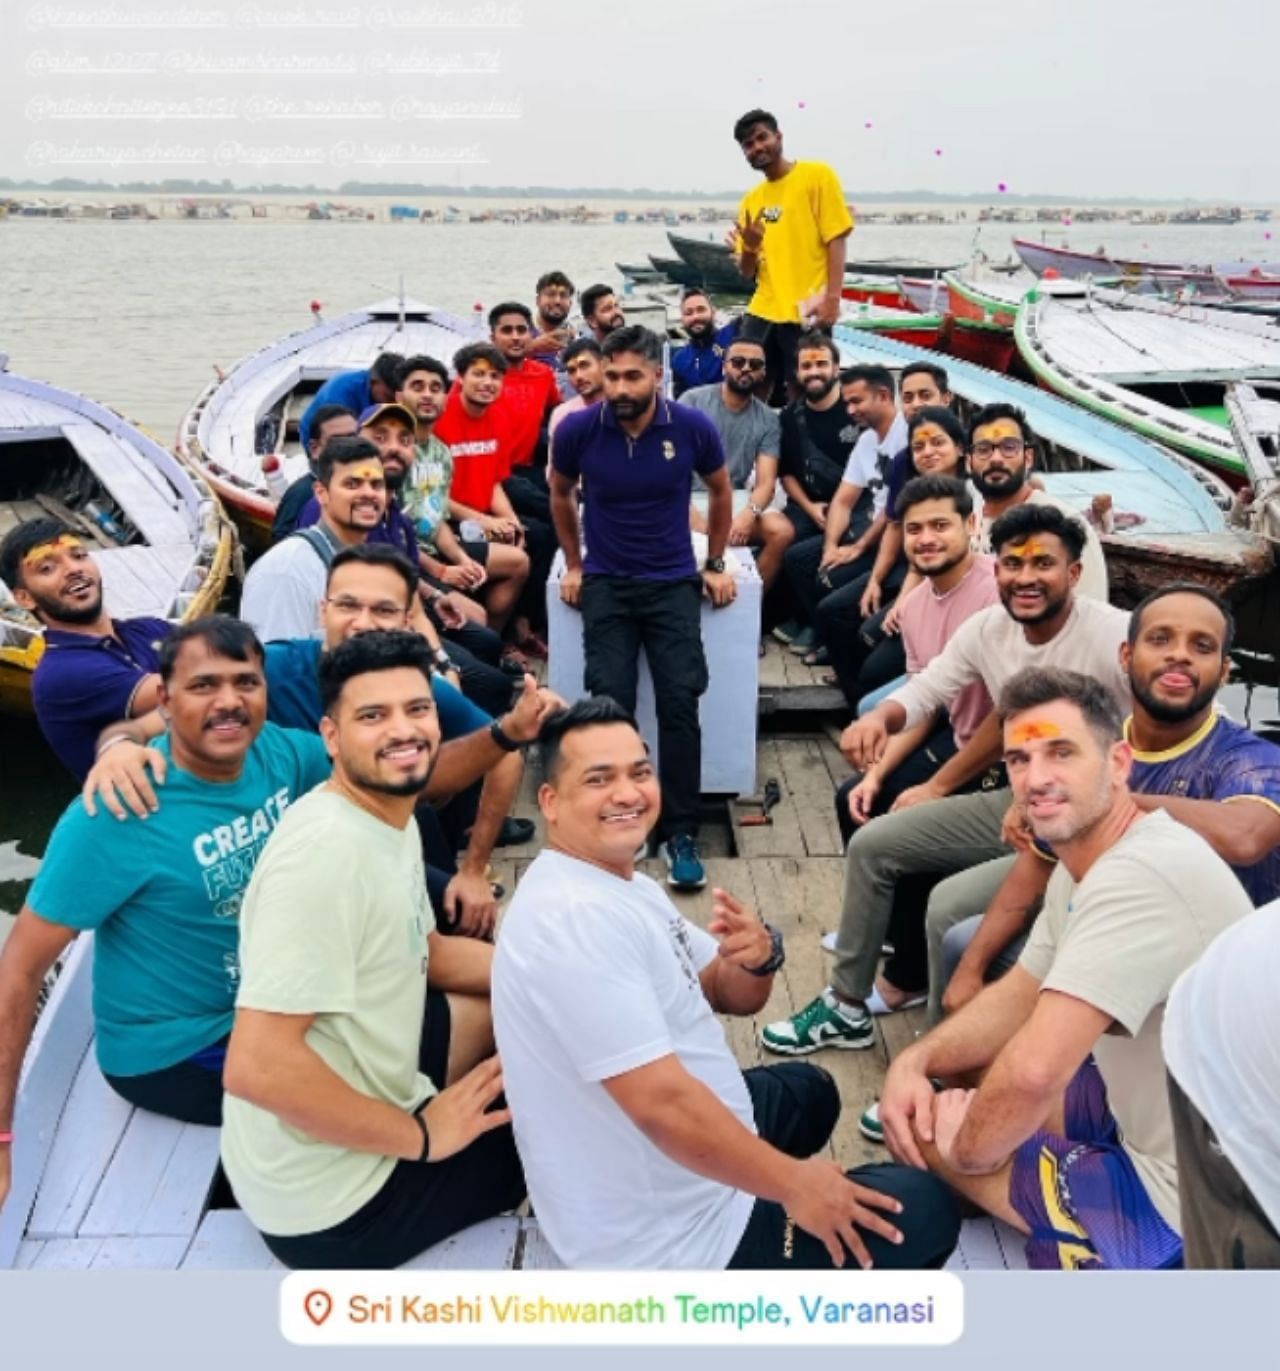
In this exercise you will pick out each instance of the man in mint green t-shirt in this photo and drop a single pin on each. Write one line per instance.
(163, 896)
(362, 1121)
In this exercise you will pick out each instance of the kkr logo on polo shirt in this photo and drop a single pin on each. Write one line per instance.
(668, 449)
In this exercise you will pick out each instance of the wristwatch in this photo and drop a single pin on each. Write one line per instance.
(504, 739)
(776, 958)
(443, 663)
(714, 564)
(757, 510)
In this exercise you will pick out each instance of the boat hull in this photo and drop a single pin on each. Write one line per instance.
(985, 345)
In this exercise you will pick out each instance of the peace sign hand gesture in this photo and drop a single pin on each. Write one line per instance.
(747, 235)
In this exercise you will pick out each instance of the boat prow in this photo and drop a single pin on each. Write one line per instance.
(156, 529)
(253, 410)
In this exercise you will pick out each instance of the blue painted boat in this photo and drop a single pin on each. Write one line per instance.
(1169, 518)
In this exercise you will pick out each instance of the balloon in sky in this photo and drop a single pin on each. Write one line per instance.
(1002, 187)
(868, 123)
(1267, 235)
(1066, 221)
(937, 152)
(800, 104)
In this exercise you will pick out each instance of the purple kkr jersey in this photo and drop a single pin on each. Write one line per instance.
(1222, 761)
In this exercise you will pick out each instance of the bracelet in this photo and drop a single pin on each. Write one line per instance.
(503, 739)
(111, 742)
(6, 1137)
(426, 1137)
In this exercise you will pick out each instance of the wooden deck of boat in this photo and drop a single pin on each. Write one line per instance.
(127, 1189)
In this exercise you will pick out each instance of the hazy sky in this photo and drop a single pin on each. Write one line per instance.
(1095, 97)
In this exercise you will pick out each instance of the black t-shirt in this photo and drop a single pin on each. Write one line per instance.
(816, 444)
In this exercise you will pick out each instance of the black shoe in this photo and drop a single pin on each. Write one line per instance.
(515, 832)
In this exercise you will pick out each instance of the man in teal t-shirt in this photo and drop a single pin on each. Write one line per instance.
(163, 896)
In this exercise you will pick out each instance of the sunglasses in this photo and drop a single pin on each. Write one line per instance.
(746, 363)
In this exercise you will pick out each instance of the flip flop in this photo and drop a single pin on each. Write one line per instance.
(876, 1003)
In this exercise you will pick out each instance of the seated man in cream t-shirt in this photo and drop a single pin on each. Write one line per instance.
(1069, 1136)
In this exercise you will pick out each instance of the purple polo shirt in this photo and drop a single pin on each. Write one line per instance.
(83, 683)
(396, 528)
(636, 490)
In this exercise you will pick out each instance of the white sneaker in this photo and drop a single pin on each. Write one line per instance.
(829, 944)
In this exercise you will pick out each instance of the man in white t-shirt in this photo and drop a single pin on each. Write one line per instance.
(1069, 1137)
(1222, 1048)
(644, 1143)
(284, 587)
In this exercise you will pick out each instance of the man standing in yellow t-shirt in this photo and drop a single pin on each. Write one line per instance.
(790, 238)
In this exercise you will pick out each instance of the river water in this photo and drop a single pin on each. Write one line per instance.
(137, 313)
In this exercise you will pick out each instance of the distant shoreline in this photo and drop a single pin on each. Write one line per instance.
(76, 186)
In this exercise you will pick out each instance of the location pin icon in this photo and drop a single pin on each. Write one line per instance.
(319, 1305)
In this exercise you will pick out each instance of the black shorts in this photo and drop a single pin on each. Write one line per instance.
(779, 343)
(420, 1204)
(191, 1091)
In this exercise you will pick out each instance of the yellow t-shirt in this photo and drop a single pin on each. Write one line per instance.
(803, 212)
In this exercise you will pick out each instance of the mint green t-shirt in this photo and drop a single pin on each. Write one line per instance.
(163, 898)
(335, 925)
(424, 497)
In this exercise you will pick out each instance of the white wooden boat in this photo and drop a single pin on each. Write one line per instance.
(99, 1185)
(1065, 261)
(1171, 518)
(253, 410)
(156, 529)
(1153, 365)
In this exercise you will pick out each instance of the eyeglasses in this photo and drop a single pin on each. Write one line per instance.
(746, 363)
(1009, 447)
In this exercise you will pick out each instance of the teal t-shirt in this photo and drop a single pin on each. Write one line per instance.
(163, 898)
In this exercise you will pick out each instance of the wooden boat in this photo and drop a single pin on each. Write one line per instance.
(875, 290)
(1170, 516)
(1043, 257)
(254, 409)
(922, 330)
(642, 275)
(677, 272)
(991, 297)
(157, 531)
(980, 341)
(928, 294)
(1154, 366)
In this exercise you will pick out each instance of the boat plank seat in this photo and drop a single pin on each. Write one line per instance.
(135, 486)
(139, 580)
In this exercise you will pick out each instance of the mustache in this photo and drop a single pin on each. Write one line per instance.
(228, 716)
(404, 742)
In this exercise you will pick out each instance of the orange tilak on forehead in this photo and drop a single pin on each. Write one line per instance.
(1034, 731)
(369, 471)
(65, 542)
(1030, 547)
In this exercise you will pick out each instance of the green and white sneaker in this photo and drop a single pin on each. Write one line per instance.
(869, 1124)
(823, 1023)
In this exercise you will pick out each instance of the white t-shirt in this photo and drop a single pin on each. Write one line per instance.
(869, 462)
(595, 976)
(1093, 565)
(991, 647)
(1146, 909)
(1222, 1046)
(283, 590)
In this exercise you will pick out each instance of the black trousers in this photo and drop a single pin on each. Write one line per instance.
(483, 682)
(851, 641)
(620, 615)
(526, 488)
(796, 1105)
(800, 563)
(191, 1091)
(779, 343)
(420, 1204)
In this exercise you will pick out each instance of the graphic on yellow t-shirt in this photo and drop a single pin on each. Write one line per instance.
(802, 212)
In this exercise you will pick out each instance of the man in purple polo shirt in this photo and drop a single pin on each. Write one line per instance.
(95, 669)
(636, 455)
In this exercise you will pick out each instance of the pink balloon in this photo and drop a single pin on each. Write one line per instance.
(937, 152)
(1002, 187)
(1267, 235)
(1066, 221)
(868, 124)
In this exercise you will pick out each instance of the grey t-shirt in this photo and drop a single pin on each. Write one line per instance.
(746, 434)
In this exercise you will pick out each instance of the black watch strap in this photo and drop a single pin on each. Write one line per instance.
(776, 958)
(504, 739)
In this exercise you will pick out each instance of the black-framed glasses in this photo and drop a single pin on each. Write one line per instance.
(1009, 447)
(746, 363)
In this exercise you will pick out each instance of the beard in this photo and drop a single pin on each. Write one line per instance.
(1000, 490)
(818, 388)
(703, 331)
(744, 382)
(628, 407)
(1051, 608)
(1166, 713)
(413, 784)
(555, 314)
(1083, 815)
(51, 607)
(929, 573)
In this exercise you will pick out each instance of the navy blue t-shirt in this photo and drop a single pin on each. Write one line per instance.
(694, 365)
(350, 389)
(83, 683)
(901, 470)
(293, 692)
(636, 491)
